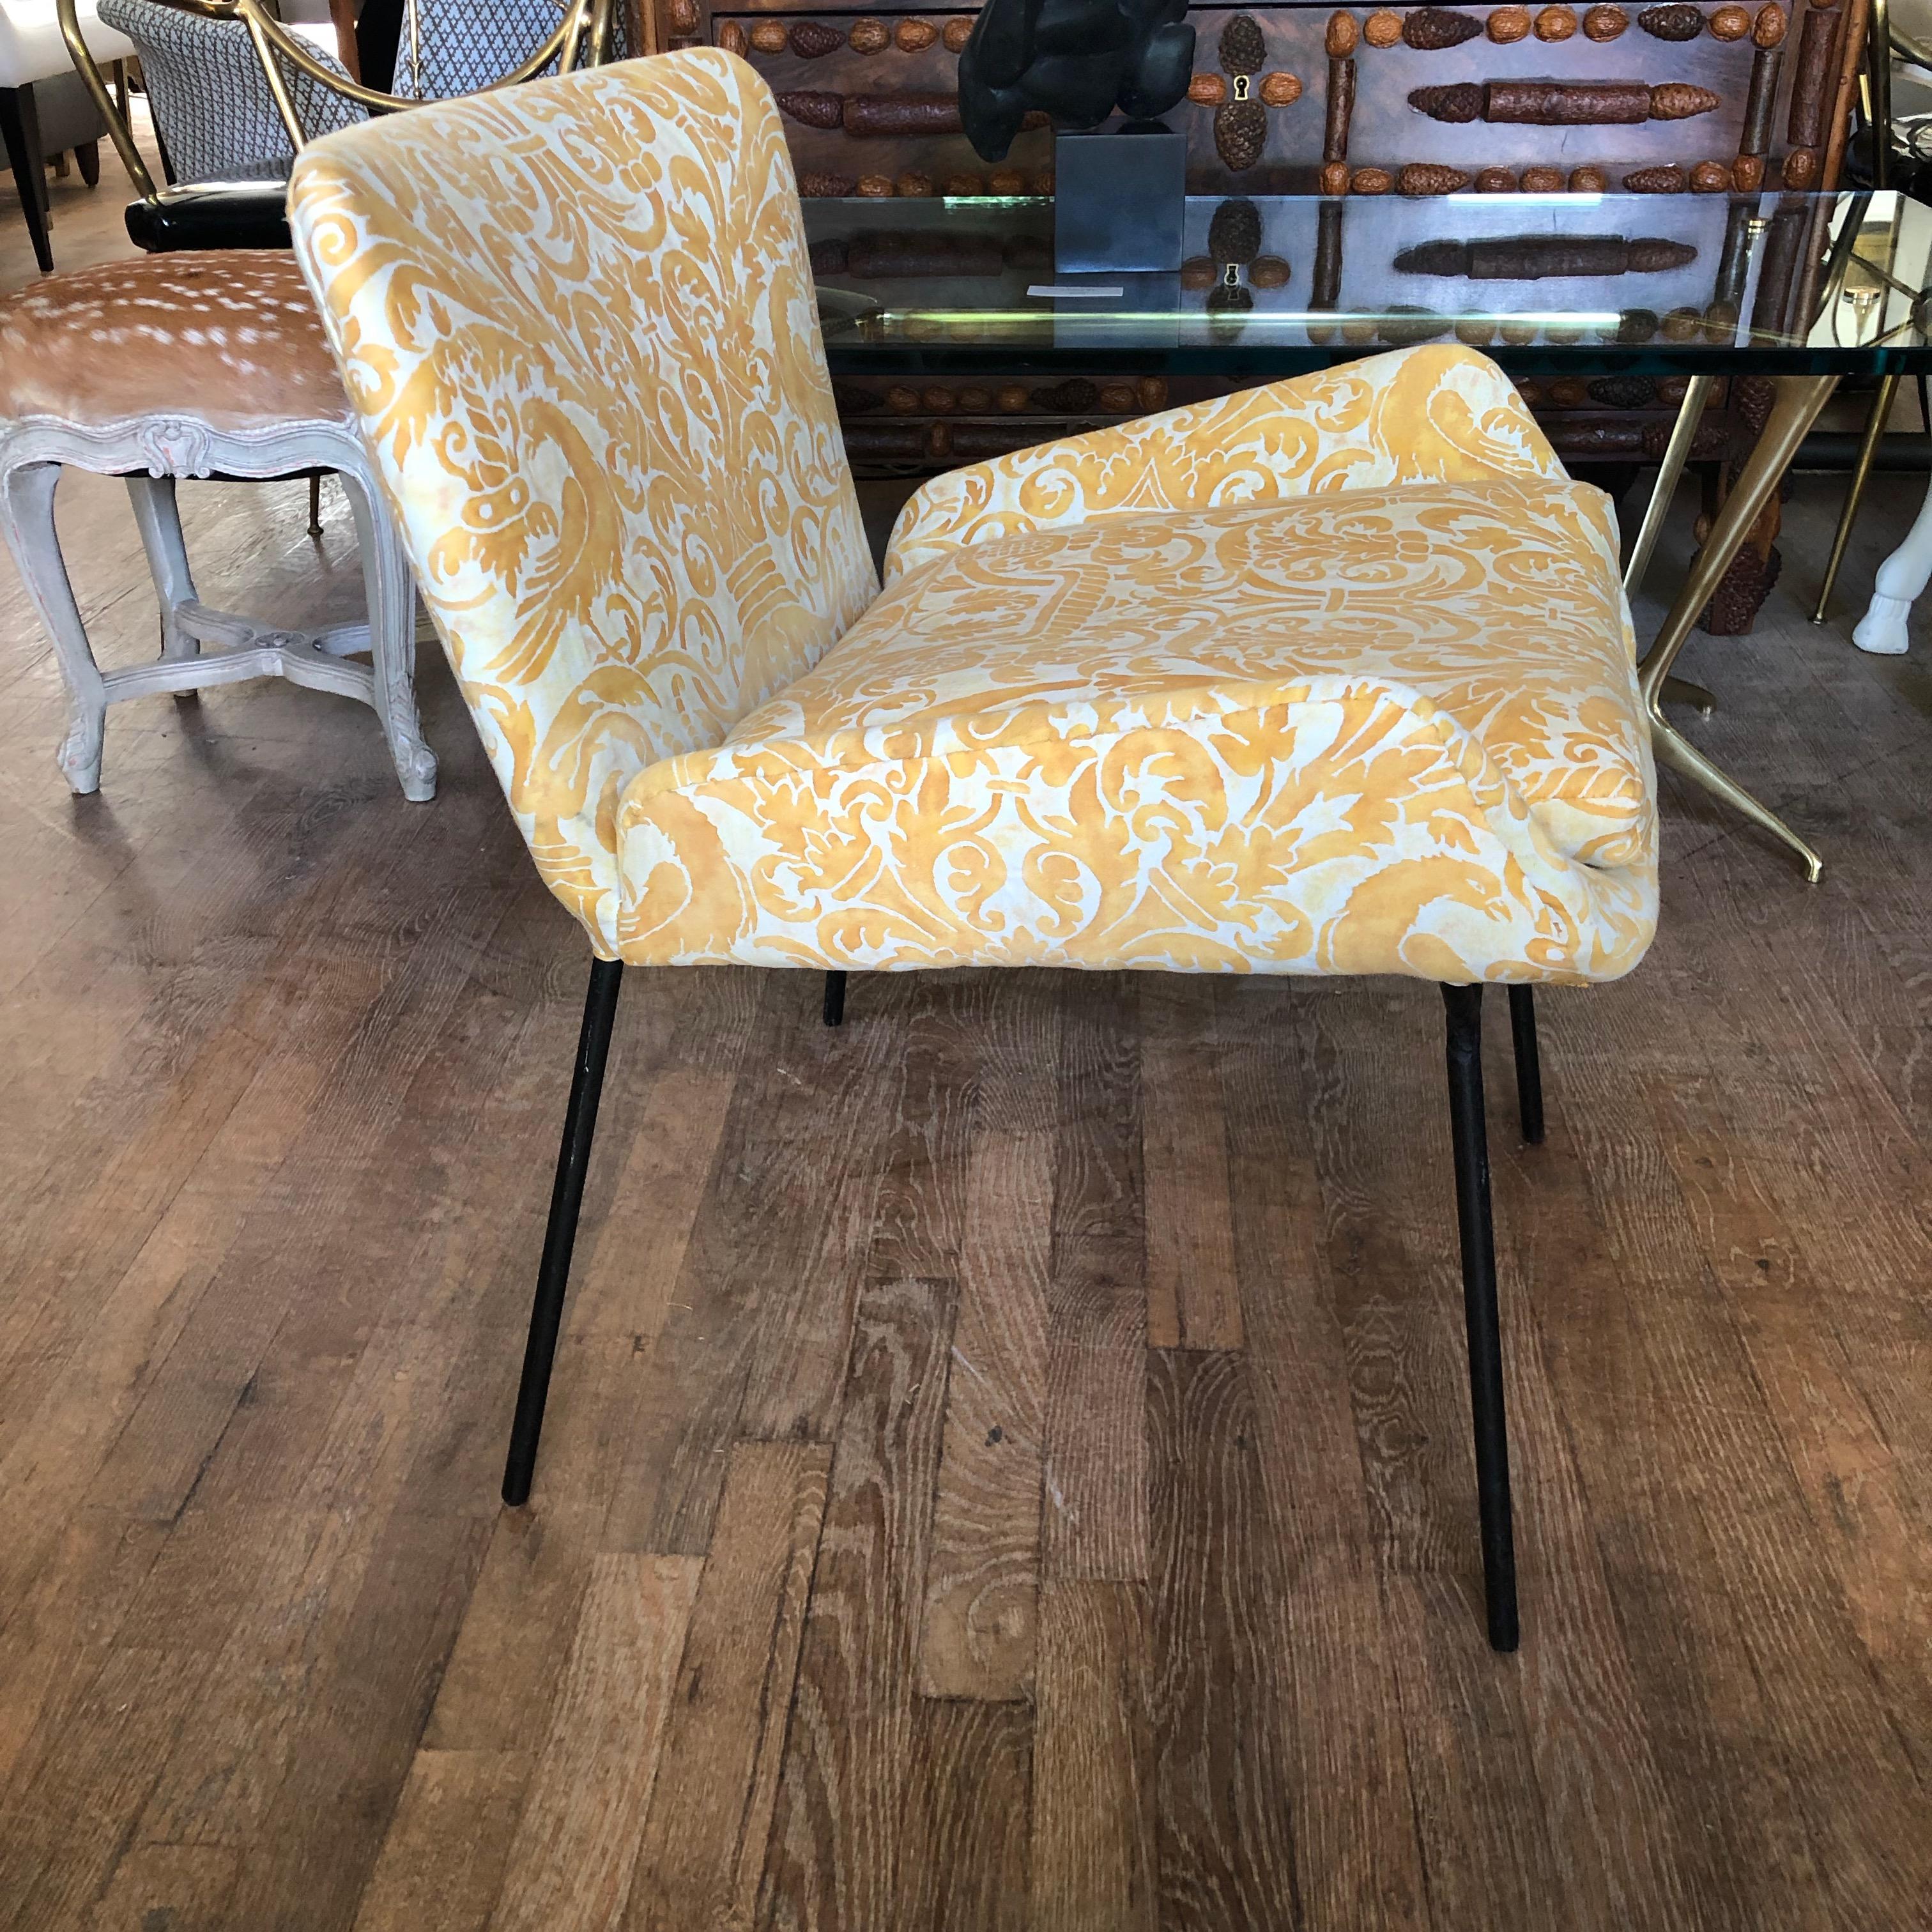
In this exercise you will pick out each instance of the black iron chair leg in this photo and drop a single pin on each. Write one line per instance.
(835, 998)
(1528, 1062)
(1464, 1005)
(580, 1124)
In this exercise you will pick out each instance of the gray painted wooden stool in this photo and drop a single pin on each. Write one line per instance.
(205, 364)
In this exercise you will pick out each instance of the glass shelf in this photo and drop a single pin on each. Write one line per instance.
(1657, 285)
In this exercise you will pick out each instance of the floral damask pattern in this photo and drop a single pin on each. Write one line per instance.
(576, 320)
(1333, 677)
(1386, 730)
(1438, 416)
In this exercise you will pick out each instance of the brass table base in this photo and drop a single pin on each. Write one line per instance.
(1799, 400)
(1681, 691)
(1669, 472)
(1879, 415)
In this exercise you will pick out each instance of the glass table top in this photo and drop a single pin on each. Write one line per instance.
(1775, 283)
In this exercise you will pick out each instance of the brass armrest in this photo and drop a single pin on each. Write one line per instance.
(119, 132)
(584, 36)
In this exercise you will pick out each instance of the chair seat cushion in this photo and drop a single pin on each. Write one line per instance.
(228, 337)
(211, 215)
(1383, 730)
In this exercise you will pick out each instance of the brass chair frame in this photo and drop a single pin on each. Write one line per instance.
(584, 37)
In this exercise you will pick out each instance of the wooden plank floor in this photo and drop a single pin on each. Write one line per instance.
(1008, 1464)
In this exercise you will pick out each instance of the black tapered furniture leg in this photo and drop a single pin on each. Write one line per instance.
(1464, 1008)
(580, 1124)
(20, 129)
(1529, 1065)
(834, 999)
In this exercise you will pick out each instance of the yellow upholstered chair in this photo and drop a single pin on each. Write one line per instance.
(1332, 677)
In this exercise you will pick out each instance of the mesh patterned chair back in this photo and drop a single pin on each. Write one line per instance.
(211, 105)
(452, 47)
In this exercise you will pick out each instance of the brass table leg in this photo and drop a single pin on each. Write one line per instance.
(1882, 399)
(1800, 398)
(1669, 474)
(1681, 691)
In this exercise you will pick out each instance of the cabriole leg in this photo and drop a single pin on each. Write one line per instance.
(573, 1160)
(392, 636)
(157, 517)
(27, 521)
(1464, 1008)
(1528, 1062)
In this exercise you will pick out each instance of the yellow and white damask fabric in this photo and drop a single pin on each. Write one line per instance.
(1443, 416)
(1392, 731)
(577, 323)
(1333, 677)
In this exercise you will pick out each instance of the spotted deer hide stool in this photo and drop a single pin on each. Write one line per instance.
(212, 364)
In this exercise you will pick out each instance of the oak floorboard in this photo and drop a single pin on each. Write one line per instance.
(181, 1887)
(67, 1812)
(1725, 1508)
(756, 1340)
(1094, 1519)
(837, 1832)
(704, 1837)
(1226, 1855)
(965, 1851)
(352, 1741)
(570, 1863)
(1350, 1792)
(1192, 1302)
(921, 1206)
(978, 1631)
(1094, 1843)
(59, 1629)
(1857, 1484)
(448, 1842)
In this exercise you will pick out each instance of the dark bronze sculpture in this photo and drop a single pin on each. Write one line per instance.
(1076, 60)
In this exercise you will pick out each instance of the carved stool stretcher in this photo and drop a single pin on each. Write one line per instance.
(206, 364)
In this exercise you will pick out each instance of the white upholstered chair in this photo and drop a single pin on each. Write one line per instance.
(33, 63)
(1332, 677)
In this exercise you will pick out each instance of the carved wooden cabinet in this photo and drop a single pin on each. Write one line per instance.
(1682, 98)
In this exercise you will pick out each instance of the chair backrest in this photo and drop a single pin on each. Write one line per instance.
(211, 105)
(451, 47)
(577, 321)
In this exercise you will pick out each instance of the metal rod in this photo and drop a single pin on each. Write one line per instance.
(573, 1161)
(278, 86)
(1463, 1006)
(1883, 397)
(1878, 58)
(303, 58)
(1795, 408)
(573, 39)
(1528, 1062)
(114, 118)
(1676, 454)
